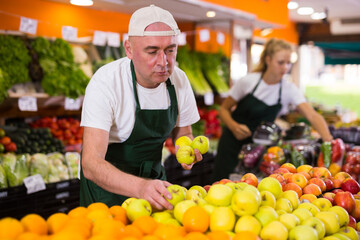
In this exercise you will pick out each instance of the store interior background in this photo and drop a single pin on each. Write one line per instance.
(327, 57)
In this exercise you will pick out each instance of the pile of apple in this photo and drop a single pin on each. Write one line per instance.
(186, 153)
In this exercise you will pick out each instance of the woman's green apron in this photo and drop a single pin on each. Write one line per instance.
(249, 111)
(140, 154)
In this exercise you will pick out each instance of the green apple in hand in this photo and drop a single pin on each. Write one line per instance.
(289, 220)
(303, 232)
(177, 193)
(317, 224)
(185, 154)
(219, 195)
(267, 199)
(181, 208)
(201, 143)
(275, 230)
(248, 223)
(183, 141)
(138, 208)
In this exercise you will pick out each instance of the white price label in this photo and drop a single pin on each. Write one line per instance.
(34, 183)
(27, 104)
(209, 98)
(72, 104)
(220, 38)
(204, 35)
(113, 39)
(28, 25)
(69, 33)
(99, 38)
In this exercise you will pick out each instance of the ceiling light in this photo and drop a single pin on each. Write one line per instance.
(305, 10)
(210, 14)
(318, 15)
(292, 5)
(82, 2)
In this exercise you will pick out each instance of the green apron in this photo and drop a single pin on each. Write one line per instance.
(251, 112)
(140, 154)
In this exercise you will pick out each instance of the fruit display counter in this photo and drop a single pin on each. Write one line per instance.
(251, 208)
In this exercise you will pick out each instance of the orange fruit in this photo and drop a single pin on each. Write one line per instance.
(150, 237)
(78, 212)
(99, 215)
(196, 219)
(146, 224)
(56, 222)
(169, 231)
(119, 213)
(97, 206)
(218, 235)
(28, 236)
(132, 231)
(81, 225)
(34, 223)
(196, 236)
(246, 235)
(101, 237)
(10, 228)
(108, 227)
(63, 235)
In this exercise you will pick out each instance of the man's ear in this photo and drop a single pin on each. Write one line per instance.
(128, 49)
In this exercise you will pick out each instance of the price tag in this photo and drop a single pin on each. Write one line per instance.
(209, 98)
(204, 35)
(113, 39)
(99, 38)
(72, 104)
(182, 39)
(34, 183)
(69, 33)
(220, 38)
(27, 104)
(28, 25)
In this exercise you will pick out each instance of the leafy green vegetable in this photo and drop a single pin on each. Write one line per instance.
(3, 178)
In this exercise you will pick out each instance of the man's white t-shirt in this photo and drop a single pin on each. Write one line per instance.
(109, 101)
(269, 94)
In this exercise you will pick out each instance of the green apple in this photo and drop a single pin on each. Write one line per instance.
(183, 141)
(303, 232)
(292, 196)
(302, 214)
(242, 185)
(284, 204)
(280, 212)
(309, 206)
(193, 194)
(331, 237)
(248, 223)
(181, 208)
(349, 232)
(343, 215)
(267, 199)
(222, 219)
(201, 189)
(209, 208)
(317, 224)
(125, 204)
(330, 220)
(137, 208)
(251, 188)
(245, 203)
(178, 194)
(265, 215)
(275, 230)
(289, 220)
(201, 143)
(340, 236)
(270, 184)
(219, 195)
(185, 154)
(233, 186)
(322, 203)
(161, 216)
(172, 221)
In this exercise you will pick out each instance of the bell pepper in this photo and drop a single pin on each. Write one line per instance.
(326, 151)
(338, 150)
(297, 159)
(320, 161)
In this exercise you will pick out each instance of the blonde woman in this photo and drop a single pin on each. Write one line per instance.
(260, 96)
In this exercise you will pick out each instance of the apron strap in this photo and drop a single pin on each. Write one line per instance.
(134, 84)
(279, 98)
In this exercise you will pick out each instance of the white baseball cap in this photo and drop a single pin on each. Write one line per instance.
(143, 17)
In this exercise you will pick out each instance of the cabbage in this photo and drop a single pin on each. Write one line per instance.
(39, 165)
(58, 170)
(15, 169)
(3, 179)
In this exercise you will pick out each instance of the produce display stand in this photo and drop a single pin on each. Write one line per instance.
(57, 197)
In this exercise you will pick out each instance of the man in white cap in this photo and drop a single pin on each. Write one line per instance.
(130, 107)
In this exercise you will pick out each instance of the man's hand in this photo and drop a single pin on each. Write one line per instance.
(241, 131)
(154, 191)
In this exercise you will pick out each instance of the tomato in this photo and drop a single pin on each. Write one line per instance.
(11, 147)
(5, 140)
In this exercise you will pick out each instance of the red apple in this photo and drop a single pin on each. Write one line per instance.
(336, 190)
(206, 187)
(352, 222)
(357, 169)
(350, 158)
(347, 167)
(329, 196)
(345, 200)
(329, 184)
(350, 185)
(250, 179)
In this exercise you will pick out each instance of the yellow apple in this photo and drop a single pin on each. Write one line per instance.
(222, 219)
(248, 223)
(275, 230)
(340, 236)
(209, 208)
(161, 216)
(284, 204)
(183, 141)
(177, 192)
(302, 214)
(201, 143)
(233, 186)
(303, 232)
(349, 232)
(181, 208)
(270, 184)
(126, 203)
(309, 206)
(343, 215)
(201, 189)
(265, 215)
(245, 203)
(193, 194)
(331, 237)
(292, 196)
(280, 212)
(172, 221)
(330, 220)
(251, 188)
(289, 220)
(137, 208)
(267, 199)
(185, 154)
(219, 195)
(322, 203)
(317, 224)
